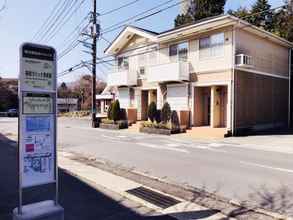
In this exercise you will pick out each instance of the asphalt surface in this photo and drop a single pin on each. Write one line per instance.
(230, 167)
(79, 200)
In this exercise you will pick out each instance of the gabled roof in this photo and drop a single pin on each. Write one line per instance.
(126, 34)
(197, 27)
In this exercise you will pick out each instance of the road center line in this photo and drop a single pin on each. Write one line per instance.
(267, 167)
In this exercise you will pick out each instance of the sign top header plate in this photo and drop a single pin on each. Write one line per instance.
(38, 52)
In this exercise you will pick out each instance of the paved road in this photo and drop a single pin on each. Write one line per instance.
(234, 168)
(80, 201)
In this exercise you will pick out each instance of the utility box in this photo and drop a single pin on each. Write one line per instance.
(46, 210)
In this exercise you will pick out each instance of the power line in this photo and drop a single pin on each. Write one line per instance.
(47, 20)
(68, 50)
(77, 28)
(59, 18)
(111, 28)
(119, 8)
(59, 21)
(53, 20)
(61, 25)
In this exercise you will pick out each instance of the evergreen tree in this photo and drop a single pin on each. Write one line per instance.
(152, 110)
(115, 111)
(279, 22)
(283, 23)
(241, 12)
(201, 9)
(261, 15)
(166, 113)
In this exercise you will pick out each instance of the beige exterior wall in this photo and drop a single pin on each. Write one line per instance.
(260, 101)
(204, 64)
(267, 56)
(196, 64)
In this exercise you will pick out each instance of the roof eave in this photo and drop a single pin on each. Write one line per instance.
(111, 49)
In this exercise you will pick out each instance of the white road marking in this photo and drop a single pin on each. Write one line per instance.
(121, 136)
(267, 167)
(173, 145)
(216, 145)
(162, 147)
(110, 137)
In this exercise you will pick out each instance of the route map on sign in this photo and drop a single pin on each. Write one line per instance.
(38, 154)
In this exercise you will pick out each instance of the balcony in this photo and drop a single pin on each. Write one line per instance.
(122, 78)
(169, 72)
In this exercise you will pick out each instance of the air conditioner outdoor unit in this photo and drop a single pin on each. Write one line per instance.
(243, 60)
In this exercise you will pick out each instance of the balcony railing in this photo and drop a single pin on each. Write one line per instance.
(123, 77)
(169, 72)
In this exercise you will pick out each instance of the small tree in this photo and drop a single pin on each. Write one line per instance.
(166, 113)
(109, 113)
(152, 110)
(115, 112)
(158, 116)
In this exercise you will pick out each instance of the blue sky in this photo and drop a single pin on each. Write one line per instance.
(22, 19)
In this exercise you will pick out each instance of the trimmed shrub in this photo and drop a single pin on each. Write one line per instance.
(158, 116)
(166, 113)
(123, 114)
(148, 124)
(115, 112)
(175, 124)
(109, 113)
(152, 110)
(107, 121)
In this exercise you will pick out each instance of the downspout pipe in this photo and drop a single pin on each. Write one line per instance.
(233, 97)
(290, 88)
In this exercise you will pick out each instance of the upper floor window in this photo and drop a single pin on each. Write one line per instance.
(123, 63)
(212, 46)
(178, 52)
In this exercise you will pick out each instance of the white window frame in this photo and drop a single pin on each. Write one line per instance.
(211, 47)
(176, 58)
(124, 64)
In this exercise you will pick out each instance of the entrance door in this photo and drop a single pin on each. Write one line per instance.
(202, 106)
(144, 104)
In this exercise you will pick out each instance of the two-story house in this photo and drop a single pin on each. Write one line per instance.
(218, 72)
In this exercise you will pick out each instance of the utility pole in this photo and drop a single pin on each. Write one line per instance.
(95, 34)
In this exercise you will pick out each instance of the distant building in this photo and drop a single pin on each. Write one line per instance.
(68, 104)
(103, 103)
(105, 99)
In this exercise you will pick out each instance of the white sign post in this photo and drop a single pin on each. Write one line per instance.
(37, 118)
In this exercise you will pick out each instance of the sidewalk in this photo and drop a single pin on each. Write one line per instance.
(184, 210)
